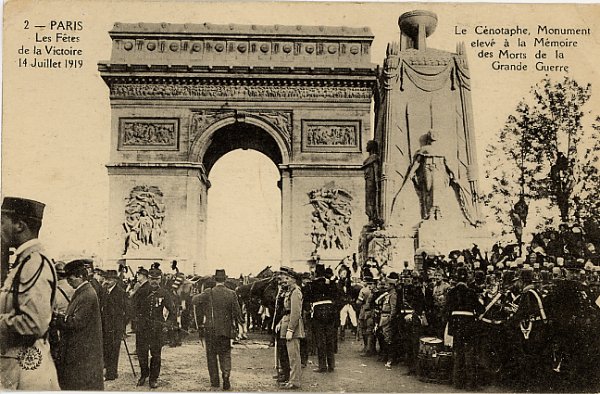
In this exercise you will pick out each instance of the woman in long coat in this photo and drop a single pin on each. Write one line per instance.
(82, 366)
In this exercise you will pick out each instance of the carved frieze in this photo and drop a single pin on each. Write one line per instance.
(331, 218)
(148, 134)
(330, 136)
(144, 216)
(239, 92)
(280, 120)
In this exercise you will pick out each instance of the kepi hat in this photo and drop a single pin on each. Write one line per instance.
(154, 273)
(74, 267)
(23, 207)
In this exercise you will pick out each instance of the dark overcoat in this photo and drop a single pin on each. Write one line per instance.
(222, 316)
(83, 358)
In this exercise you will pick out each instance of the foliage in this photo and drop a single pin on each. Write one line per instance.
(540, 154)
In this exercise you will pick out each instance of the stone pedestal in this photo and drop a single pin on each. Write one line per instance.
(444, 236)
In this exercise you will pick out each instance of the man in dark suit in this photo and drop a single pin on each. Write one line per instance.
(114, 319)
(82, 362)
(219, 310)
(152, 304)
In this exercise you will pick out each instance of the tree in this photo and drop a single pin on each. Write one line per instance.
(538, 156)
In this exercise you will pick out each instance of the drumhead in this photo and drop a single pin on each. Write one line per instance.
(431, 340)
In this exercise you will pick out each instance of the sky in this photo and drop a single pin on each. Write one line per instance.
(56, 123)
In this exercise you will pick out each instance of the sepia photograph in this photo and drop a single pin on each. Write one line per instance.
(300, 196)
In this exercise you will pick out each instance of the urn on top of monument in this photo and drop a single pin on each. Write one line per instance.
(415, 27)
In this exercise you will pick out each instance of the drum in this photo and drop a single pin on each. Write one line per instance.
(430, 345)
(435, 368)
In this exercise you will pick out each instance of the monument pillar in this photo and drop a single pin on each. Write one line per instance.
(424, 125)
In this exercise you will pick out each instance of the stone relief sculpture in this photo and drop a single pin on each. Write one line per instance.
(144, 216)
(371, 167)
(331, 218)
(330, 135)
(433, 178)
(148, 133)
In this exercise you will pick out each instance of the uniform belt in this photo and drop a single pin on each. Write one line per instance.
(486, 320)
(462, 313)
(385, 313)
(321, 303)
(406, 311)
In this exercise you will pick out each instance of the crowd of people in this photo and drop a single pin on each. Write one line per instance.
(464, 319)
(62, 325)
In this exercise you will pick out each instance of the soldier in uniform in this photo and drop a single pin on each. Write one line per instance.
(220, 311)
(440, 290)
(365, 316)
(532, 319)
(26, 301)
(283, 363)
(292, 327)
(321, 296)
(152, 303)
(388, 321)
(463, 307)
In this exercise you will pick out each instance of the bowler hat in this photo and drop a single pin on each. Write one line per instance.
(154, 273)
(74, 267)
(142, 271)
(393, 277)
(220, 275)
(111, 274)
(23, 207)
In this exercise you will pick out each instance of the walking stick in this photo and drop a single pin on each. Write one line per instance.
(129, 356)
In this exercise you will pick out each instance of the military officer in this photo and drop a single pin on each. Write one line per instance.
(321, 296)
(292, 326)
(389, 320)
(152, 304)
(463, 308)
(366, 319)
(26, 301)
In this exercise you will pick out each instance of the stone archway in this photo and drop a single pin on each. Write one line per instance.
(300, 94)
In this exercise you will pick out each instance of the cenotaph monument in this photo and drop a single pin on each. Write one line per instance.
(421, 175)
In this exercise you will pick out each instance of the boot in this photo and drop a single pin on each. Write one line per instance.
(364, 349)
(342, 333)
(369, 346)
(226, 383)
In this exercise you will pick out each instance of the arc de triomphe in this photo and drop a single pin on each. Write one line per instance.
(182, 96)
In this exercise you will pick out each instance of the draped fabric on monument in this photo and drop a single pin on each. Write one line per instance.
(428, 90)
(424, 127)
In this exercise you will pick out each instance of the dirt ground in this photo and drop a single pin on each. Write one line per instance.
(184, 369)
